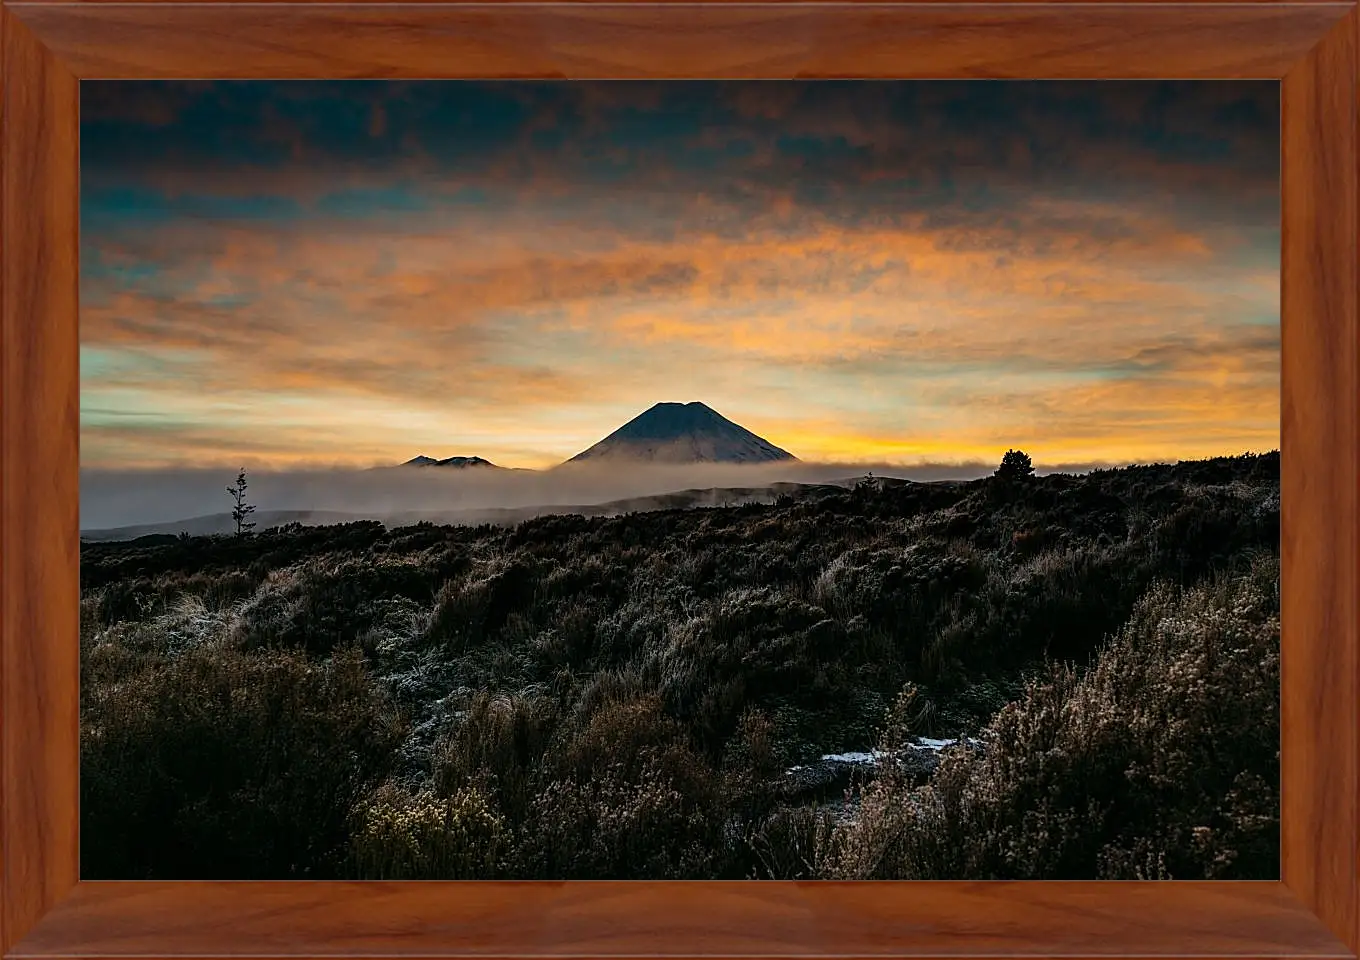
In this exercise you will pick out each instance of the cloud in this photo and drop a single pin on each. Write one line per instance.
(291, 274)
(119, 498)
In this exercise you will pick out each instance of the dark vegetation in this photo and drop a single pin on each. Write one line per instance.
(620, 698)
(240, 509)
(1015, 465)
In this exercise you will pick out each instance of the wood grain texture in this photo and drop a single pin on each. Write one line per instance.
(398, 40)
(1312, 914)
(842, 4)
(633, 919)
(1320, 480)
(39, 545)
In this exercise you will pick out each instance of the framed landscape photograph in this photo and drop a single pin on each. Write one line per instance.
(727, 453)
(1010, 611)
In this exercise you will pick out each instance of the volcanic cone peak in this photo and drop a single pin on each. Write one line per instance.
(683, 433)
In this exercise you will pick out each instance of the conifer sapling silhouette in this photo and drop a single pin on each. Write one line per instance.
(1015, 465)
(241, 511)
(866, 483)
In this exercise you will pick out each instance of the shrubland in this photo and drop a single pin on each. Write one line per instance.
(621, 697)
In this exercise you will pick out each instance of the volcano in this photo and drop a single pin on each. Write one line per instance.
(683, 433)
(460, 462)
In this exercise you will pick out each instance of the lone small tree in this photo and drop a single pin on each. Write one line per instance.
(241, 511)
(1015, 465)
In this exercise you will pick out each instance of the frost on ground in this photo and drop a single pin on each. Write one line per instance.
(832, 774)
(625, 698)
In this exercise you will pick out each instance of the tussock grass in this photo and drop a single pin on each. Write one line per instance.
(596, 698)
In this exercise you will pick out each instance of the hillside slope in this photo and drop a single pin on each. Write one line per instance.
(620, 697)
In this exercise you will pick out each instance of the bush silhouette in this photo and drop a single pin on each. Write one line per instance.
(1015, 465)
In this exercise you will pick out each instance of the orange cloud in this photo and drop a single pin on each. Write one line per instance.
(1085, 328)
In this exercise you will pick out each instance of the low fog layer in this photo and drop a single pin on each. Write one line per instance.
(113, 499)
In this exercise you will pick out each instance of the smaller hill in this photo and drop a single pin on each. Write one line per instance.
(459, 462)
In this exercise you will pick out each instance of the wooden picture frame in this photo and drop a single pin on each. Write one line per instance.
(47, 47)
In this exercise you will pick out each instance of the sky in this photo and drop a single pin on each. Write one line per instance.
(298, 275)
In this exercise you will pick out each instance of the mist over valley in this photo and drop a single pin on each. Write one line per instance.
(672, 455)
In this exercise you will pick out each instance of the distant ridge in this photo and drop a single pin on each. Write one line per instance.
(222, 524)
(683, 433)
(424, 461)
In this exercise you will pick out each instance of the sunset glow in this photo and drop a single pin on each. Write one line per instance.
(297, 274)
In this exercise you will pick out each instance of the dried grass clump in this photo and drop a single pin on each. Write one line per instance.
(402, 835)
